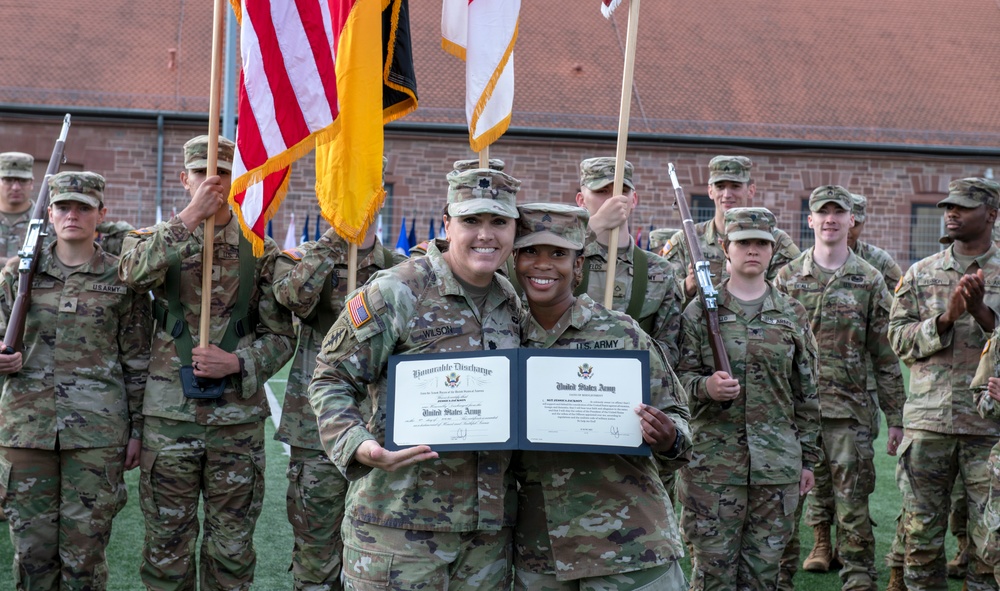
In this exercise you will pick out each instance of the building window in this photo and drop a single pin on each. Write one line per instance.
(702, 208)
(807, 238)
(926, 227)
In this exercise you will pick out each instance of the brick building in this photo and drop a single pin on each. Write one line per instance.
(887, 99)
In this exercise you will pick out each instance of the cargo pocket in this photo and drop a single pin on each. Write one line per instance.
(366, 570)
(4, 480)
(864, 481)
(147, 492)
(113, 494)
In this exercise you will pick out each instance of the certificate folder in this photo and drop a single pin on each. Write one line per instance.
(572, 400)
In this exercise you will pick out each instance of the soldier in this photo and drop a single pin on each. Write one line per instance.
(756, 457)
(16, 185)
(205, 406)
(986, 384)
(565, 534)
(945, 306)
(70, 412)
(848, 303)
(111, 235)
(414, 520)
(730, 185)
(311, 281)
(645, 286)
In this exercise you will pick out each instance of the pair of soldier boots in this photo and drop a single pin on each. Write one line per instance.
(823, 556)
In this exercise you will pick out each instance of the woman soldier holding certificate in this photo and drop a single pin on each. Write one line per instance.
(414, 520)
(585, 520)
(754, 432)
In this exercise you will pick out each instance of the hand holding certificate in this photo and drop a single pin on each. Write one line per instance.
(540, 399)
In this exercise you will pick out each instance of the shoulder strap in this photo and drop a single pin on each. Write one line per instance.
(640, 281)
(584, 280)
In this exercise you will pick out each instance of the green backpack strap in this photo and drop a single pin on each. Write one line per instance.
(640, 282)
(241, 323)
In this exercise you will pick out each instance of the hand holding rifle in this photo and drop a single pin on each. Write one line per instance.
(721, 386)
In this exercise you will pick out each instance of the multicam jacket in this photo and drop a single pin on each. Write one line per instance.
(86, 355)
(591, 515)
(311, 281)
(415, 307)
(849, 317)
(146, 256)
(881, 260)
(768, 434)
(942, 365)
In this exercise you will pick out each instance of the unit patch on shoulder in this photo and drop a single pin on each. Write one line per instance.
(142, 231)
(898, 285)
(986, 349)
(293, 253)
(359, 309)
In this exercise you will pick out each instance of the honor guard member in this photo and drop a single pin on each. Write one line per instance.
(730, 185)
(945, 307)
(414, 519)
(754, 458)
(311, 281)
(205, 406)
(848, 305)
(16, 185)
(645, 284)
(71, 407)
(586, 520)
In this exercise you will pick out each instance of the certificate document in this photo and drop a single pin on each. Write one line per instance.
(451, 401)
(540, 399)
(584, 401)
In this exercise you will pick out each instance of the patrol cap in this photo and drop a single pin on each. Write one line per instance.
(659, 237)
(555, 224)
(972, 192)
(830, 194)
(495, 164)
(16, 165)
(749, 223)
(597, 173)
(858, 205)
(85, 187)
(196, 153)
(729, 168)
(482, 190)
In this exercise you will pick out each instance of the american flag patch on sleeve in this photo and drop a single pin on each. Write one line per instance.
(358, 308)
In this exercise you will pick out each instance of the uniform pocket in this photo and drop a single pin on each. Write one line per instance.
(864, 483)
(4, 479)
(365, 566)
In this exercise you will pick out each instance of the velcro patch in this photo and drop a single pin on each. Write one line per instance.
(359, 310)
(293, 253)
(104, 288)
(142, 231)
(986, 349)
(898, 285)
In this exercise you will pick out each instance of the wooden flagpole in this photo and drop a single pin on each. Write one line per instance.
(214, 102)
(623, 116)
(352, 266)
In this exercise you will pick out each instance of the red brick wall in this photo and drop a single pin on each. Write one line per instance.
(125, 153)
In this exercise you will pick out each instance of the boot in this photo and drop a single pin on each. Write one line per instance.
(821, 554)
(896, 582)
(958, 565)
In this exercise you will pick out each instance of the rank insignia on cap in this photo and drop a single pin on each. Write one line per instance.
(358, 307)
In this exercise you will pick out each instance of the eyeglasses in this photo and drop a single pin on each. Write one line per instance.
(11, 181)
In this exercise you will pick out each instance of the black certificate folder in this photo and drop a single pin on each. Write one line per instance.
(539, 399)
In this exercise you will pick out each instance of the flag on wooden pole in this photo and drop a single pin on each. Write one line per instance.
(489, 61)
(609, 6)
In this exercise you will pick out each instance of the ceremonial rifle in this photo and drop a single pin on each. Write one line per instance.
(706, 291)
(34, 238)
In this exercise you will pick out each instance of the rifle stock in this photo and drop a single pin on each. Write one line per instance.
(706, 291)
(13, 338)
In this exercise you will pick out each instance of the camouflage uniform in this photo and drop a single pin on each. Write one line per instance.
(12, 226)
(111, 236)
(311, 281)
(849, 318)
(67, 415)
(443, 522)
(741, 488)
(209, 447)
(989, 366)
(944, 433)
(562, 538)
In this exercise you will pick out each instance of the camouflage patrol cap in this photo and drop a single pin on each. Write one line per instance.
(482, 190)
(972, 192)
(196, 153)
(659, 237)
(830, 194)
(729, 168)
(495, 164)
(859, 203)
(748, 223)
(85, 187)
(597, 173)
(555, 224)
(16, 165)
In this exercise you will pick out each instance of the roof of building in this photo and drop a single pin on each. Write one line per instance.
(893, 71)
